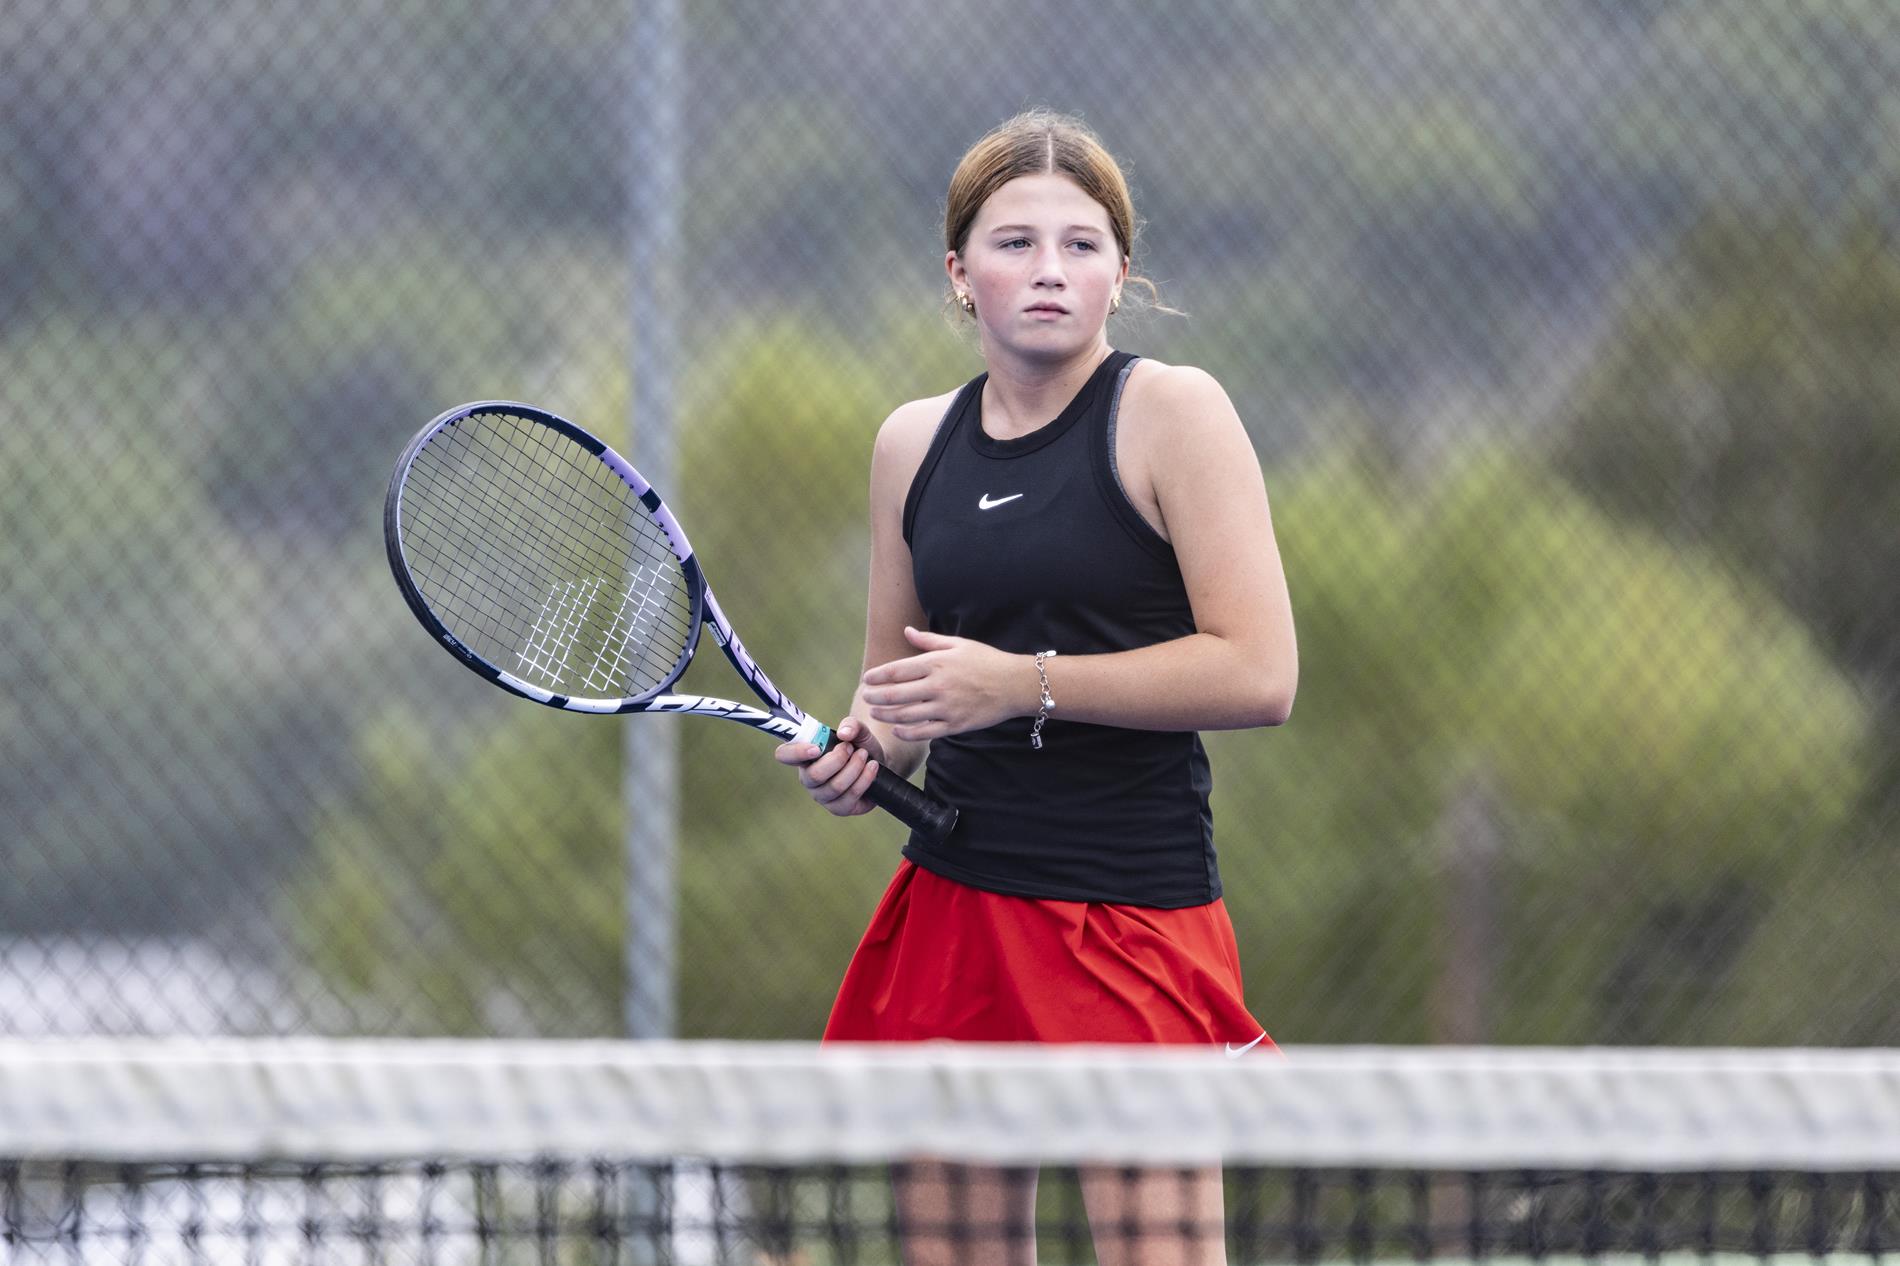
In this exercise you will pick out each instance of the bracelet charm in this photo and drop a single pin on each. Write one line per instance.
(1048, 703)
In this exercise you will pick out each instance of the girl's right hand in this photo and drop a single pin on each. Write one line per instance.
(838, 779)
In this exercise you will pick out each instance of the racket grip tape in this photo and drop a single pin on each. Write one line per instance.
(899, 797)
(911, 805)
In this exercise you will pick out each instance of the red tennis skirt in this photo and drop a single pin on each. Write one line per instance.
(943, 960)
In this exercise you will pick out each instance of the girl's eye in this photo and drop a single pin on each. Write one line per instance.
(1087, 246)
(1017, 241)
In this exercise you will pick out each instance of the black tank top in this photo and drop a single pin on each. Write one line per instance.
(1031, 544)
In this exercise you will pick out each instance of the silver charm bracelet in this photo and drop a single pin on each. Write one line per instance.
(1048, 703)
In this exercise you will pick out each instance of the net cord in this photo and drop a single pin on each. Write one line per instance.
(1463, 1108)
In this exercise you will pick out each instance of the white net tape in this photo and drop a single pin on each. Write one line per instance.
(1383, 1107)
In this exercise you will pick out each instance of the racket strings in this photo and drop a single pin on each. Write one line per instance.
(623, 644)
(565, 619)
(538, 557)
(468, 562)
(464, 577)
(593, 515)
(631, 631)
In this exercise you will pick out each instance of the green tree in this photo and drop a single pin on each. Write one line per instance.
(137, 750)
(473, 880)
(1517, 719)
(1746, 404)
(1548, 777)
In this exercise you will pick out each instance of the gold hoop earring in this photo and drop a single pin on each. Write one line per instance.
(1114, 305)
(969, 304)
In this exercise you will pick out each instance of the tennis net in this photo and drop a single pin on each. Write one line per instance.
(371, 1152)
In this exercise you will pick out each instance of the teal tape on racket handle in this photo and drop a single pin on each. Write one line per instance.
(902, 799)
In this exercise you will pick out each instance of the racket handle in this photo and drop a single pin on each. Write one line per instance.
(902, 799)
(911, 805)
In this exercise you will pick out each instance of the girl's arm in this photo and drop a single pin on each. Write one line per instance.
(839, 778)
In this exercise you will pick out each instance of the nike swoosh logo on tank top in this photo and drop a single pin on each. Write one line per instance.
(984, 502)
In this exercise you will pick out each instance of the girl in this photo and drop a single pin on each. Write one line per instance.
(1073, 570)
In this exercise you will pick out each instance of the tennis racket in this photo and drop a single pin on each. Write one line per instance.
(544, 561)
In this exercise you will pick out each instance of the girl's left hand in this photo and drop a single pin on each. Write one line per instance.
(953, 685)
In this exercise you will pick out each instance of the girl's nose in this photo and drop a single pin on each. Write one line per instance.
(1049, 267)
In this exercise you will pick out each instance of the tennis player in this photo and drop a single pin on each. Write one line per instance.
(1073, 570)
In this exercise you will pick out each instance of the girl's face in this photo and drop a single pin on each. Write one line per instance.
(1042, 265)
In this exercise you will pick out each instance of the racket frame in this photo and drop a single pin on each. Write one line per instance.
(780, 717)
(923, 813)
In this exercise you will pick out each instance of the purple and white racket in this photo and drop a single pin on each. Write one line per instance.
(544, 561)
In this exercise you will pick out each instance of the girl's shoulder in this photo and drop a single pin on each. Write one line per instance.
(1162, 392)
(903, 440)
(918, 415)
(904, 437)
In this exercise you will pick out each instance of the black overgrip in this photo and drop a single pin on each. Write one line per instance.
(911, 805)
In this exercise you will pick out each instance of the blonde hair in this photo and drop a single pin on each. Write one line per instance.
(1032, 143)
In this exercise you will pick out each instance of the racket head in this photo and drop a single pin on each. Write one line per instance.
(542, 559)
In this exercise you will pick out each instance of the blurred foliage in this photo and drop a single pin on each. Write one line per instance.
(168, 574)
(1482, 632)
(1619, 751)
(1564, 332)
(474, 883)
(425, 906)
(1747, 403)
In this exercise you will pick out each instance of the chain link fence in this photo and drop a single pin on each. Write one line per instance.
(1565, 333)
